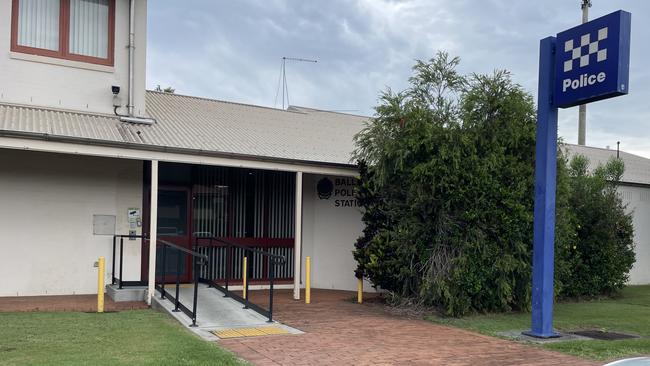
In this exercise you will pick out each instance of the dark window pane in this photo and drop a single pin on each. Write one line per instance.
(172, 213)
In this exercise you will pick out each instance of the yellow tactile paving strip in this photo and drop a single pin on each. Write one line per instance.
(249, 332)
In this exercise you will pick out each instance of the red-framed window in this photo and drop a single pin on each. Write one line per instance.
(77, 30)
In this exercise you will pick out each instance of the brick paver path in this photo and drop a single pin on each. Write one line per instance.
(65, 303)
(340, 332)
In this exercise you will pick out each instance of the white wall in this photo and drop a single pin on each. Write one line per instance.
(638, 200)
(329, 234)
(47, 203)
(49, 82)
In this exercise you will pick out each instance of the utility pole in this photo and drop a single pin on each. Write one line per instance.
(582, 113)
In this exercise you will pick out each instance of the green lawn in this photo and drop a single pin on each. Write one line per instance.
(143, 337)
(629, 313)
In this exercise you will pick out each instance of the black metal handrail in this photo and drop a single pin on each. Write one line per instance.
(118, 279)
(198, 260)
(274, 260)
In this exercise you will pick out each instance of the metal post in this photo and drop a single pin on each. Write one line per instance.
(178, 280)
(582, 111)
(545, 185)
(196, 291)
(271, 278)
(121, 259)
(244, 276)
(308, 280)
(248, 273)
(162, 275)
(113, 263)
(360, 290)
(210, 264)
(100, 284)
(228, 268)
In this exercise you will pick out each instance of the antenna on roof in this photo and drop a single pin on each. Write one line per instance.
(283, 78)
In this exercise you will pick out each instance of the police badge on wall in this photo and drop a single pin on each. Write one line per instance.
(324, 188)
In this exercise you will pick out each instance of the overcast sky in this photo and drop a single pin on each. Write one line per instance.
(232, 50)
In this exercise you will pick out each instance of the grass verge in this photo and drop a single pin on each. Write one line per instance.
(628, 313)
(139, 337)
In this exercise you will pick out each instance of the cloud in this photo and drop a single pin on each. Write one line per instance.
(231, 50)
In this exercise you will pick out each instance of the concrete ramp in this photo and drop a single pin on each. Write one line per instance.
(214, 312)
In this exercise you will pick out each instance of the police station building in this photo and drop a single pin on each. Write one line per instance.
(89, 158)
(87, 155)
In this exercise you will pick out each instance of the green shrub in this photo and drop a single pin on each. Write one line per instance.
(603, 251)
(446, 183)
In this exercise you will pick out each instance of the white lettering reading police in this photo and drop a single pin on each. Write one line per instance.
(584, 80)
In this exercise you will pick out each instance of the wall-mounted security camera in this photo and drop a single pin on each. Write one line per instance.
(117, 101)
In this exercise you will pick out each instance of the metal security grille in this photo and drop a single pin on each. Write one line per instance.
(240, 203)
(281, 204)
(210, 201)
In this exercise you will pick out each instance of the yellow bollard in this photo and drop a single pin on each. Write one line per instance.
(100, 285)
(244, 277)
(307, 280)
(360, 290)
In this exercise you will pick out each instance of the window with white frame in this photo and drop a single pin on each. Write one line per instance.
(78, 30)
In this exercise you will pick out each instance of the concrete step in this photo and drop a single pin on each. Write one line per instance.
(131, 293)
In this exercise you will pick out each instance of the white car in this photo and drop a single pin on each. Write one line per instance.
(638, 361)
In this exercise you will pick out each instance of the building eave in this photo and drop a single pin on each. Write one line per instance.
(115, 149)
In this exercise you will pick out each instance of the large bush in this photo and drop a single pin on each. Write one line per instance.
(446, 183)
(602, 253)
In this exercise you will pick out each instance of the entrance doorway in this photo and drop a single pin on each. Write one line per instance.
(253, 208)
(174, 226)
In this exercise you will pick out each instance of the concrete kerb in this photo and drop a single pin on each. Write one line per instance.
(517, 335)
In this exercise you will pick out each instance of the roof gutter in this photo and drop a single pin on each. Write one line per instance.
(166, 149)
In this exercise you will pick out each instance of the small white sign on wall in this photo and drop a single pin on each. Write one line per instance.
(104, 224)
(133, 214)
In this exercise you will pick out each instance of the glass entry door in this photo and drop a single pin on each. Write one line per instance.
(174, 227)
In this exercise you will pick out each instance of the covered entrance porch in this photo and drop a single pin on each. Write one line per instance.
(232, 227)
(203, 208)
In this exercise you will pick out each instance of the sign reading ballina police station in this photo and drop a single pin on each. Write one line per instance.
(592, 60)
(342, 190)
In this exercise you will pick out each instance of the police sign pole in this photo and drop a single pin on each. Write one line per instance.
(583, 64)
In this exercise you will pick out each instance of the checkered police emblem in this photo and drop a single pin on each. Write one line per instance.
(585, 50)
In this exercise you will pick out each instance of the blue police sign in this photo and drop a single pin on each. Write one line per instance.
(583, 64)
(592, 60)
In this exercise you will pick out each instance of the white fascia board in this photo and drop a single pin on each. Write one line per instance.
(137, 154)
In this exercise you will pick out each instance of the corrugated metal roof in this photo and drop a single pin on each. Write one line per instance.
(637, 168)
(192, 123)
